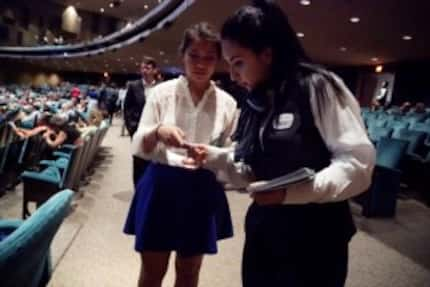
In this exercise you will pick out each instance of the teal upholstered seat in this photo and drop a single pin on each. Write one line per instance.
(376, 133)
(61, 162)
(381, 198)
(24, 249)
(50, 174)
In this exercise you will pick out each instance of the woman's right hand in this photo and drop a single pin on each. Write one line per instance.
(197, 155)
(170, 135)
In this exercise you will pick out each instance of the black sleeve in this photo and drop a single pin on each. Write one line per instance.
(129, 103)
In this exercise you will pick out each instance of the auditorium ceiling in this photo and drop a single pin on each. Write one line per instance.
(387, 31)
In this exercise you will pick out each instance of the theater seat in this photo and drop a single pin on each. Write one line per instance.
(376, 133)
(380, 199)
(24, 245)
(39, 186)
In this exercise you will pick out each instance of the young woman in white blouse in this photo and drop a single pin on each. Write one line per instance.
(175, 207)
(297, 115)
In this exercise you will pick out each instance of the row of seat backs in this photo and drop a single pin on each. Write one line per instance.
(380, 118)
(418, 142)
(71, 162)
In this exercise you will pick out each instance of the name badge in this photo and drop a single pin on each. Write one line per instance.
(283, 121)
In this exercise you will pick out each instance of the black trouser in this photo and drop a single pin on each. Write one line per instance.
(273, 256)
(139, 166)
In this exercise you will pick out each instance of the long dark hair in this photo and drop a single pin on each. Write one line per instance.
(264, 25)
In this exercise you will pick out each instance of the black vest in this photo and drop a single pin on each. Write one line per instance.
(277, 135)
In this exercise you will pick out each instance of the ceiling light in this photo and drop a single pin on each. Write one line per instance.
(343, 49)
(300, 35)
(379, 68)
(106, 74)
(132, 58)
(161, 53)
(375, 59)
(407, 37)
(102, 10)
(305, 2)
(111, 5)
(354, 20)
(146, 7)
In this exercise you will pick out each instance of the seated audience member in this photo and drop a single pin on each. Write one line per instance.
(41, 126)
(61, 132)
(94, 121)
(405, 107)
(420, 108)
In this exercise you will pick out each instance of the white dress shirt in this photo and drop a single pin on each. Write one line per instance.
(343, 131)
(211, 121)
(148, 86)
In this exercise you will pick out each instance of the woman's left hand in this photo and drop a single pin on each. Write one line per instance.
(269, 197)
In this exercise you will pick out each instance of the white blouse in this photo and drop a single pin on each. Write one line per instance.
(343, 131)
(211, 121)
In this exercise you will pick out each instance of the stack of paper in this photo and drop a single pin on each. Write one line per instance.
(300, 175)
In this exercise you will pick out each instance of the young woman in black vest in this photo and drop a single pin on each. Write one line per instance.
(297, 115)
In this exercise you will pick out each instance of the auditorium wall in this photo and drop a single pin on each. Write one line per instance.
(411, 82)
(26, 24)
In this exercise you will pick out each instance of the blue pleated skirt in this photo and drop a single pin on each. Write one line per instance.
(175, 209)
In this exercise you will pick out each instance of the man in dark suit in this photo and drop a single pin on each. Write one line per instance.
(134, 103)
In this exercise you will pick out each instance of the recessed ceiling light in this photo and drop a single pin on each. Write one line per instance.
(354, 20)
(132, 58)
(375, 59)
(305, 2)
(379, 68)
(111, 5)
(407, 37)
(161, 53)
(343, 49)
(300, 35)
(146, 7)
(102, 10)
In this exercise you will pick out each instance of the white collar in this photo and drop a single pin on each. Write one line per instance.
(183, 85)
(148, 85)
